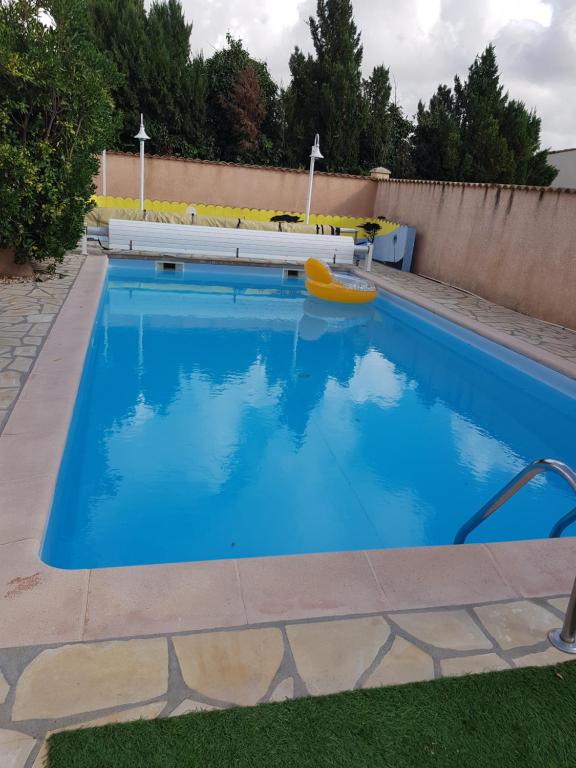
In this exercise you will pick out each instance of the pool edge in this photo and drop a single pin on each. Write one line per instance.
(41, 604)
(525, 348)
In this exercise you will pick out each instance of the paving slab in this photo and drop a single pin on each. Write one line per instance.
(85, 677)
(331, 656)
(236, 667)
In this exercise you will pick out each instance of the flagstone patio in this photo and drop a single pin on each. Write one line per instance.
(549, 344)
(27, 311)
(48, 688)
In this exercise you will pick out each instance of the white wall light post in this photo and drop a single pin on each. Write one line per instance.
(315, 154)
(103, 167)
(142, 136)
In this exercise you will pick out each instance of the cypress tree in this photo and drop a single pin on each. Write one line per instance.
(521, 128)
(300, 109)
(157, 74)
(481, 103)
(339, 58)
(325, 95)
(437, 143)
(385, 130)
(176, 100)
(475, 133)
(119, 30)
(401, 160)
(376, 132)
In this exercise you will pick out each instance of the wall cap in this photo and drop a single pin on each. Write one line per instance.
(304, 171)
(198, 161)
(485, 185)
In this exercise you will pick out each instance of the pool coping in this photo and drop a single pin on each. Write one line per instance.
(40, 604)
(536, 353)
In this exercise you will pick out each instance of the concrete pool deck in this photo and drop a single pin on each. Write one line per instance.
(41, 606)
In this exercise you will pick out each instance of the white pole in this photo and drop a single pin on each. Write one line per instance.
(314, 154)
(369, 257)
(104, 182)
(310, 177)
(141, 136)
(141, 174)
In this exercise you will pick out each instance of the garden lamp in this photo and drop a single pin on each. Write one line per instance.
(142, 136)
(315, 154)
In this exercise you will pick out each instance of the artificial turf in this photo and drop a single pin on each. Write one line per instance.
(523, 717)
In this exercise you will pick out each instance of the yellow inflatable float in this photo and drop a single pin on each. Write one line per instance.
(347, 289)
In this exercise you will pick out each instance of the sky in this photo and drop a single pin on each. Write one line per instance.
(424, 43)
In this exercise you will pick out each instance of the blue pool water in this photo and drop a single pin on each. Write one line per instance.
(224, 413)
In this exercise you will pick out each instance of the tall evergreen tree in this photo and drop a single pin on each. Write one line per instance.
(401, 161)
(437, 143)
(385, 130)
(119, 29)
(481, 102)
(300, 109)
(375, 138)
(158, 75)
(339, 59)
(330, 103)
(521, 129)
(475, 133)
(176, 100)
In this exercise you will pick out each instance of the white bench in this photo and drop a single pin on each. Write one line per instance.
(228, 243)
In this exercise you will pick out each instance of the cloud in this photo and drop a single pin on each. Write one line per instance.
(424, 42)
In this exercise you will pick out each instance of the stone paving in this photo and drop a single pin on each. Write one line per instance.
(27, 310)
(554, 339)
(48, 688)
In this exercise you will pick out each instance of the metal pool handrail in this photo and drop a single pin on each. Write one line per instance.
(523, 477)
(565, 639)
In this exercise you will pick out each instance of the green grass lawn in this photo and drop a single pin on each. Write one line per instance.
(523, 718)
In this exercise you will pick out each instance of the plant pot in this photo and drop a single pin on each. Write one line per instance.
(9, 268)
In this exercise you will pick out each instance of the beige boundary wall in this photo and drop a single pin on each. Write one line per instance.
(515, 246)
(239, 186)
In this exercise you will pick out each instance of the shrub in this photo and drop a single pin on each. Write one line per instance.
(56, 114)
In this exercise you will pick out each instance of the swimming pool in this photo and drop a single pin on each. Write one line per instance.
(224, 413)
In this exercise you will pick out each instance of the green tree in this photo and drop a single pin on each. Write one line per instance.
(401, 160)
(325, 95)
(385, 130)
(521, 129)
(55, 116)
(119, 29)
(230, 72)
(480, 101)
(339, 59)
(159, 77)
(375, 137)
(475, 133)
(437, 141)
(176, 105)
(300, 109)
